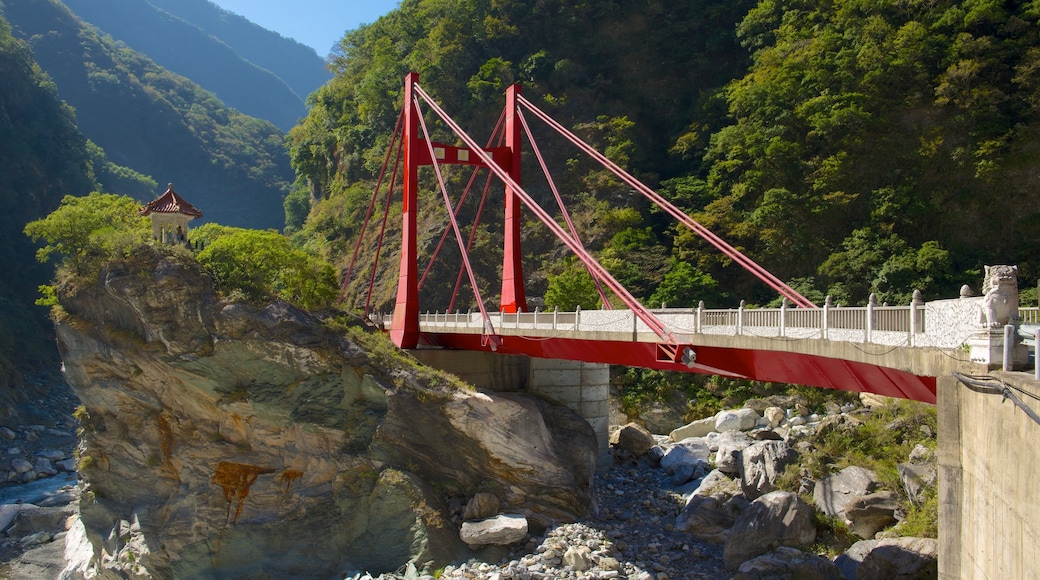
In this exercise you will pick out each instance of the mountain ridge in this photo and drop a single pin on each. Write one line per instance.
(185, 48)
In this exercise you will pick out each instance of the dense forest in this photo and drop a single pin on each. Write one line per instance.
(44, 158)
(849, 147)
(251, 69)
(157, 123)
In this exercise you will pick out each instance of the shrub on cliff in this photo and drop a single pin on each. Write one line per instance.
(88, 231)
(259, 265)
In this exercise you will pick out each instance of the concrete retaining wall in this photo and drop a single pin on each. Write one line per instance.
(989, 482)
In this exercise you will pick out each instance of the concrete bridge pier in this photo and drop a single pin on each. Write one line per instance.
(583, 387)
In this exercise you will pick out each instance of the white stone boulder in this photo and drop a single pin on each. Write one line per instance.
(774, 416)
(501, 530)
(698, 428)
(736, 420)
(692, 451)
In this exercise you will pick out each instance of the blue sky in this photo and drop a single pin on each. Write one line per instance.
(317, 23)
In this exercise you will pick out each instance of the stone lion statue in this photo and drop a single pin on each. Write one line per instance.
(1000, 296)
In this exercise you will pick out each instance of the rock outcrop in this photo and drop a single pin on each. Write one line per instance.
(226, 439)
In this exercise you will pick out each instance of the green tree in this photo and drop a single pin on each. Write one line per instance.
(571, 288)
(684, 286)
(87, 231)
(260, 265)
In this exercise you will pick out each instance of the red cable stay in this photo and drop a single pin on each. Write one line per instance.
(503, 162)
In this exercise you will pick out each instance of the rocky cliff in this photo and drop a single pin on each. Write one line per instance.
(224, 439)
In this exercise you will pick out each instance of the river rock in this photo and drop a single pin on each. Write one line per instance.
(482, 505)
(500, 530)
(578, 557)
(710, 517)
(762, 464)
(698, 428)
(916, 480)
(690, 451)
(834, 491)
(869, 514)
(786, 562)
(736, 420)
(731, 444)
(633, 439)
(260, 425)
(890, 558)
(776, 519)
(774, 416)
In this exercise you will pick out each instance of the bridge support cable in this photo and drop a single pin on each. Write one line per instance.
(469, 243)
(489, 331)
(563, 208)
(458, 205)
(672, 347)
(731, 252)
(379, 242)
(371, 205)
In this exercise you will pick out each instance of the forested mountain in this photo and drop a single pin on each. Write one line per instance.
(850, 148)
(251, 69)
(232, 166)
(295, 63)
(43, 157)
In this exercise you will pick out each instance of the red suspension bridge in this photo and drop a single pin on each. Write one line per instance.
(645, 339)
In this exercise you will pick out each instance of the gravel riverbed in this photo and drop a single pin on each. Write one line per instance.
(632, 537)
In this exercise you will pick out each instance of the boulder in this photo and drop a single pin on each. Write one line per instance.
(774, 416)
(501, 530)
(916, 480)
(662, 417)
(728, 457)
(890, 558)
(762, 464)
(35, 519)
(690, 451)
(698, 428)
(480, 506)
(633, 439)
(736, 420)
(869, 514)
(578, 557)
(834, 491)
(709, 518)
(261, 424)
(786, 562)
(776, 519)
(685, 472)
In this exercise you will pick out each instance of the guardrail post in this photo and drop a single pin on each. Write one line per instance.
(828, 303)
(635, 325)
(740, 317)
(537, 309)
(783, 316)
(1009, 347)
(868, 331)
(915, 302)
(577, 317)
(556, 316)
(699, 324)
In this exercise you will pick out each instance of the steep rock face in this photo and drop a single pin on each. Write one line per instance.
(221, 438)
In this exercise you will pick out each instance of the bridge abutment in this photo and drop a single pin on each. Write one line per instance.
(582, 386)
(989, 471)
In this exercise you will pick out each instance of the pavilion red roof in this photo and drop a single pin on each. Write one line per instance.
(170, 202)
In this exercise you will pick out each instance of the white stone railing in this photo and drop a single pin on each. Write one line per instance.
(941, 323)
